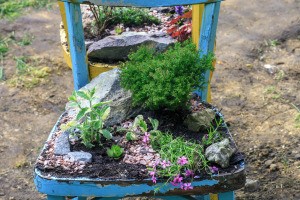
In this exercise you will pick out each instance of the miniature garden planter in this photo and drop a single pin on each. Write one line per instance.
(57, 186)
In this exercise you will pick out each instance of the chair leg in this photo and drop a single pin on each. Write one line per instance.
(226, 196)
(51, 197)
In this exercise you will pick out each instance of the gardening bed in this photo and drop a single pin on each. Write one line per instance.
(108, 171)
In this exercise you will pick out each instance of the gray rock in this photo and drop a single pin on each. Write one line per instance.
(220, 153)
(268, 162)
(200, 120)
(273, 167)
(118, 47)
(61, 144)
(77, 156)
(297, 156)
(271, 69)
(251, 185)
(108, 88)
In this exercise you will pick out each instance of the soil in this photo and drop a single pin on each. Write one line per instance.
(101, 165)
(256, 103)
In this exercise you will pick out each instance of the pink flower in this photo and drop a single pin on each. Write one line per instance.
(153, 179)
(146, 137)
(152, 173)
(189, 173)
(165, 164)
(214, 169)
(186, 186)
(182, 160)
(177, 179)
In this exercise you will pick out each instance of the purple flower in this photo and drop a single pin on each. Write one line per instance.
(189, 173)
(154, 179)
(146, 137)
(177, 179)
(179, 10)
(152, 173)
(182, 160)
(165, 164)
(214, 169)
(186, 186)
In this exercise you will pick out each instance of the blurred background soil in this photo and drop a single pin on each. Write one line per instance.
(256, 84)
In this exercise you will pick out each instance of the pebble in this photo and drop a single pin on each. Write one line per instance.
(273, 167)
(251, 185)
(143, 162)
(297, 156)
(268, 162)
(2, 194)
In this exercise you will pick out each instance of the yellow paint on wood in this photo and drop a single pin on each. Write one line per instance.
(97, 68)
(196, 28)
(197, 22)
(63, 17)
(213, 197)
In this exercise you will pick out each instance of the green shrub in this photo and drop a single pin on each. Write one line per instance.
(165, 80)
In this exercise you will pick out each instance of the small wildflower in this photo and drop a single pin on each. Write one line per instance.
(182, 160)
(164, 164)
(214, 169)
(154, 179)
(179, 10)
(146, 137)
(189, 173)
(186, 186)
(177, 180)
(152, 173)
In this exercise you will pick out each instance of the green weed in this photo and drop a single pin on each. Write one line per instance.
(13, 8)
(26, 40)
(28, 74)
(1, 74)
(297, 118)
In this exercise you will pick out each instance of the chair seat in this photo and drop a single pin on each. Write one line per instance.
(143, 3)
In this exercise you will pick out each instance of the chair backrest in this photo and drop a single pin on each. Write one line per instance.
(141, 3)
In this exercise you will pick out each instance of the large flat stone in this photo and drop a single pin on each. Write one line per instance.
(108, 88)
(118, 47)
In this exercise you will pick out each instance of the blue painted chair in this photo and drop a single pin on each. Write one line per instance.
(220, 186)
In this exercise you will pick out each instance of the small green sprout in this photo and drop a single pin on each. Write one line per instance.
(115, 151)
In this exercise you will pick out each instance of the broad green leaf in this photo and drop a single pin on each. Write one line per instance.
(137, 120)
(92, 92)
(130, 136)
(154, 123)
(82, 113)
(143, 126)
(72, 98)
(73, 104)
(110, 153)
(106, 134)
(101, 104)
(105, 113)
(97, 125)
(83, 95)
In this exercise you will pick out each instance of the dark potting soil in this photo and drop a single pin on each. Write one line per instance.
(108, 168)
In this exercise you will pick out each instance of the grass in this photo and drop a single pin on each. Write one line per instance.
(11, 9)
(29, 73)
(297, 118)
(26, 40)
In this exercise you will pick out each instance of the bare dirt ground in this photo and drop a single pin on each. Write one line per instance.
(256, 83)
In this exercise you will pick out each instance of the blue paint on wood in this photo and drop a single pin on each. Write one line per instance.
(101, 188)
(207, 38)
(226, 196)
(77, 45)
(51, 197)
(203, 197)
(142, 3)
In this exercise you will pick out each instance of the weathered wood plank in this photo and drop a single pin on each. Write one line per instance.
(226, 196)
(207, 39)
(77, 46)
(141, 3)
(50, 197)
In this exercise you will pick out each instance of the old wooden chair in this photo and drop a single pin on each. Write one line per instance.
(222, 186)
